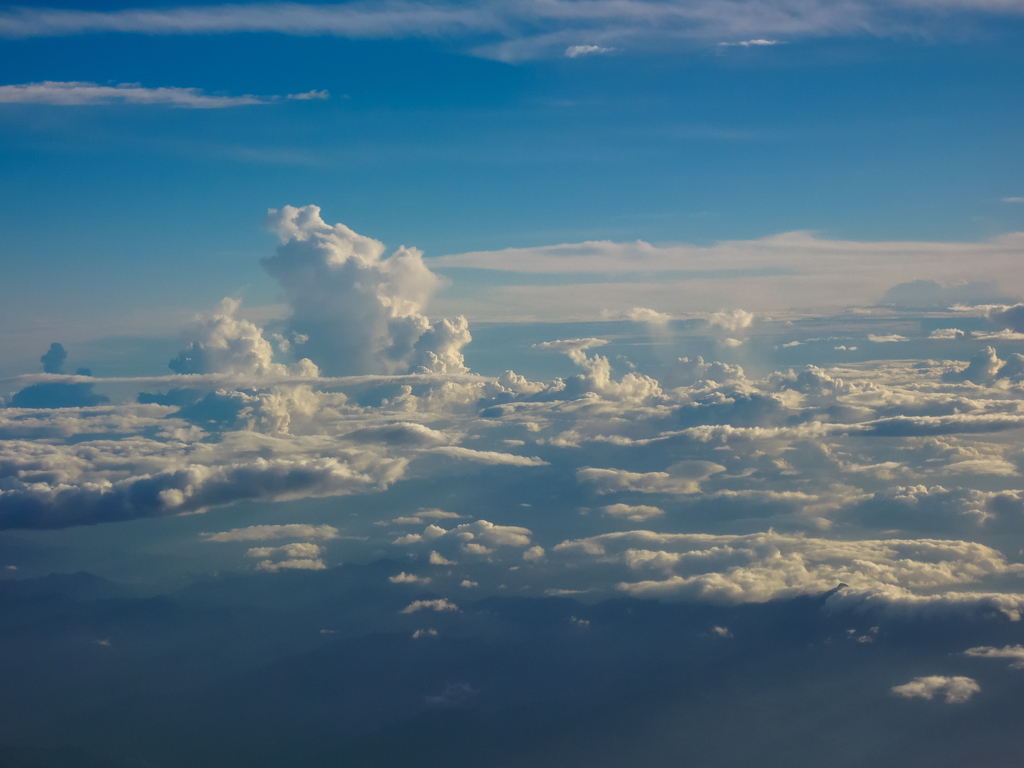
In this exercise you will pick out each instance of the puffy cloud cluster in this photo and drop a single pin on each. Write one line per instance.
(361, 312)
(225, 343)
(916, 574)
(955, 690)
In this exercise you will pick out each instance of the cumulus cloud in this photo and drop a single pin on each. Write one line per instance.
(732, 321)
(956, 690)
(438, 559)
(645, 315)
(361, 312)
(950, 334)
(886, 339)
(534, 554)
(53, 360)
(433, 605)
(408, 578)
(225, 343)
(76, 94)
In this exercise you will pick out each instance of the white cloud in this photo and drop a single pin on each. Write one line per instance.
(361, 312)
(438, 559)
(489, 457)
(225, 343)
(905, 575)
(805, 272)
(430, 533)
(265, 532)
(290, 565)
(1013, 199)
(534, 554)
(957, 690)
(466, 583)
(313, 95)
(424, 633)
(295, 551)
(684, 477)
(573, 51)
(74, 94)
(756, 43)
(892, 337)
(433, 605)
(1013, 652)
(635, 513)
(645, 315)
(950, 334)
(734, 320)
(408, 578)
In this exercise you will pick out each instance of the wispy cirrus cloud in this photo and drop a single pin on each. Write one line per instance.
(76, 94)
(512, 31)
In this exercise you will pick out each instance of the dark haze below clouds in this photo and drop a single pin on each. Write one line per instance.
(236, 672)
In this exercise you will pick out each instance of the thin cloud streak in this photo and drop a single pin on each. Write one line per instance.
(77, 94)
(521, 30)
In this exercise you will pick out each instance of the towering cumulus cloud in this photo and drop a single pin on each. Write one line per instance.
(361, 312)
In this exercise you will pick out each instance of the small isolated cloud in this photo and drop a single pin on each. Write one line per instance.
(408, 578)
(892, 337)
(265, 532)
(722, 631)
(533, 554)
(757, 43)
(1013, 199)
(439, 559)
(303, 564)
(947, 334)
(433, 605)
(957, 690)
(1013, 652)
(82, 94)
(791, 344)
(732, 342)
(310, 95)
(637, 513)
(424, 633)
(575, 51)
(469, 584)
(844, 348)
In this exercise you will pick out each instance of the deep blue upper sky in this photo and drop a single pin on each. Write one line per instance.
(912, 136)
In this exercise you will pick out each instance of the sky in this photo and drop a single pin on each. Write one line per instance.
(512, 383)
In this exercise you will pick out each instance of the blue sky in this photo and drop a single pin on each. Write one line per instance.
(907, 136)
